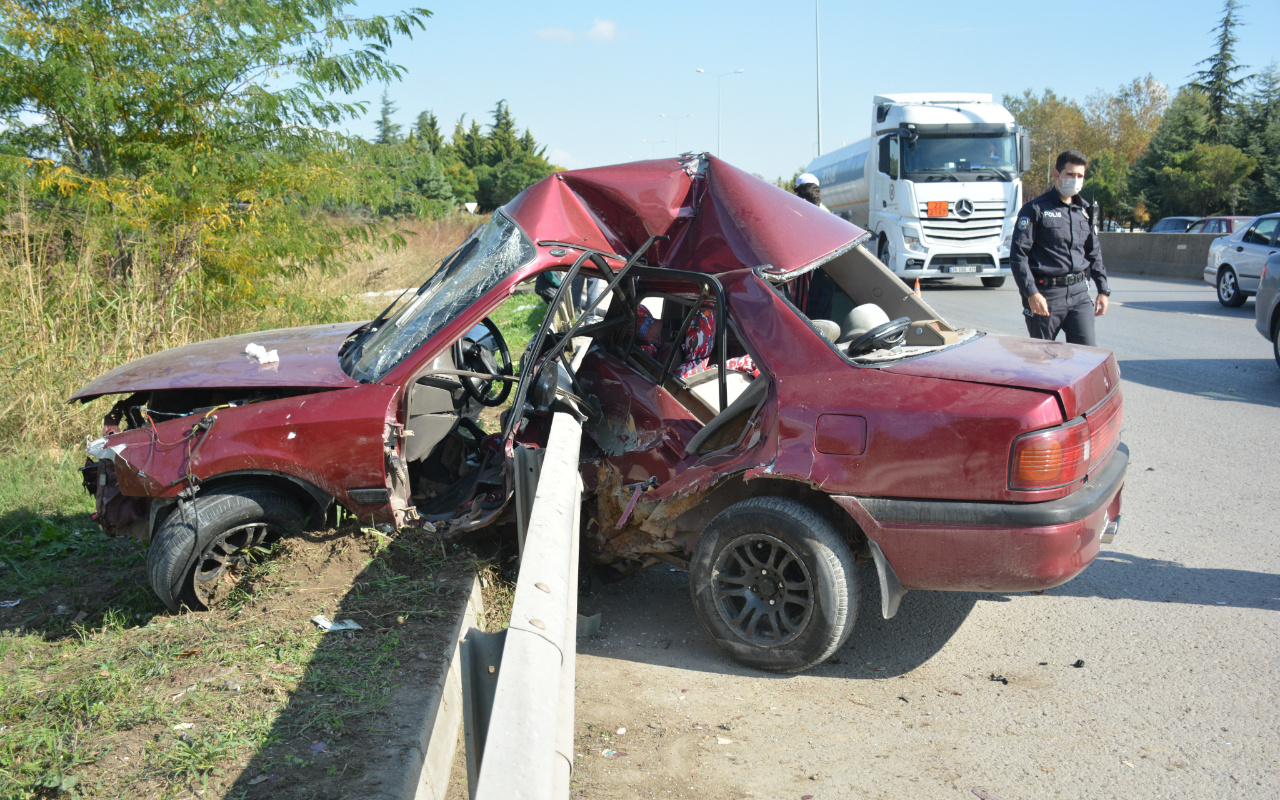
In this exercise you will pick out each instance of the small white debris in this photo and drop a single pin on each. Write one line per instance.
(261, 354)
(10, 603)
(292, 435)
(183, 726)
(722, 740)
(324, 624)
(621, 731)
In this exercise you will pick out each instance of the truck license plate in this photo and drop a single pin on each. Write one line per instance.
(963, 269)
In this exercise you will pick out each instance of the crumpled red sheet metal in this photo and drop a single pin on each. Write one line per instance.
(719, 218)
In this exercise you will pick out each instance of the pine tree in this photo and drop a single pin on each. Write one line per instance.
(427, 130)
(388, 131)
(502, 144)
(1217, 80)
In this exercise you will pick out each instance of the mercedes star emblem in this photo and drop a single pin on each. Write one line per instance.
(964, 208)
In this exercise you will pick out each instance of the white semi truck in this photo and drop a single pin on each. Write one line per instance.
(938, 183)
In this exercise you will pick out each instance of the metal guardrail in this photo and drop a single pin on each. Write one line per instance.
(518, 684)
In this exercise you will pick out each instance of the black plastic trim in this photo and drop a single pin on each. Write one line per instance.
(1101, 487)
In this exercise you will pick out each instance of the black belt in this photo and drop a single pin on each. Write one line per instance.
(1062, 280)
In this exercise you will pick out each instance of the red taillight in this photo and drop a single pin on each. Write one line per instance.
(1104, 427)
(1049, 459)
(1058, 457)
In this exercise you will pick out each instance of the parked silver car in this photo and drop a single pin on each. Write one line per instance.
(1236, 261)
(1266, 314)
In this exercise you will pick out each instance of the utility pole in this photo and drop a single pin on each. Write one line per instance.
(675, 121)
(817, 48)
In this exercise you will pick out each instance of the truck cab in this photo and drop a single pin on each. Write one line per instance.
(938, 184)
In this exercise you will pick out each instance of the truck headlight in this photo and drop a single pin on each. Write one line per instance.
(912, 242)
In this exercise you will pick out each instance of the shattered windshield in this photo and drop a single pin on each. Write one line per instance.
(490, 255)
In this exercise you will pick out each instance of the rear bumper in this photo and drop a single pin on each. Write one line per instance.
(994, 547)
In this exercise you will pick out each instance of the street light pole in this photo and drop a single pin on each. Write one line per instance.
(675, 121)
(652, 143)
(817, 48)
(718, 76)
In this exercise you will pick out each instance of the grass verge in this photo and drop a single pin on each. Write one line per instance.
(107, 695)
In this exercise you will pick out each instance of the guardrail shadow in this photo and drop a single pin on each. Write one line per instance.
(1204, 307)
(649, 619)
(1239, 380)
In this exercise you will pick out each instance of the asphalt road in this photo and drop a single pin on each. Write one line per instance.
(1176, 623)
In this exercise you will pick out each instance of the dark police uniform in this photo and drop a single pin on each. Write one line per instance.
(1054, 250)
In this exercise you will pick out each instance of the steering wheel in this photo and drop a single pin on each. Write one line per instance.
(890, 334)
(479, 358)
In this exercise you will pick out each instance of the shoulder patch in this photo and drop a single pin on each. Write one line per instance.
(1023, 222)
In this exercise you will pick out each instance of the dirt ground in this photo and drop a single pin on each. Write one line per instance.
(248, 700)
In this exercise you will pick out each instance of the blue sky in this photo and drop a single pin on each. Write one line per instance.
(590, 79)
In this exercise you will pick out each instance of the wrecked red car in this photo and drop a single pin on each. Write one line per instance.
(764, 403)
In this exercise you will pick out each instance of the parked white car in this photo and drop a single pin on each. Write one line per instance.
(1236, 261)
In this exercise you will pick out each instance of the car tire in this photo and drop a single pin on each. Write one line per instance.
(207, 540)
(994, 282)
(882, 252)
(1275, 340)
(1229, 292)
(806, 570)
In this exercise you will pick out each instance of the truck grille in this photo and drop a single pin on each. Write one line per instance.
(986, 222)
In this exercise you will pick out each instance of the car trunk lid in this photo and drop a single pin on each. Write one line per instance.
(1080, 377)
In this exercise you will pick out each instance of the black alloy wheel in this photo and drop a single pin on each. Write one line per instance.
(774, 584)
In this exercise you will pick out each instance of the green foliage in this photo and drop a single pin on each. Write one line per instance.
(1217, 80)
(193, 133)
(1257, 133)
(388, 131)
(486, 167)
(426, 131)
(1184, 126)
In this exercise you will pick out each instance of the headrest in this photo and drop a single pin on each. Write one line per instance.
(860, 320)
(827, 329)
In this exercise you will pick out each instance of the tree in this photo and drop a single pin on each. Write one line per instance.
(1123, 123)
(197, 131)
(427, 131)
(1257, 133)
(1218, 79)
(501, 144)
(1184, 126)
(388, 131)
(1210, 180)
(1053, 125)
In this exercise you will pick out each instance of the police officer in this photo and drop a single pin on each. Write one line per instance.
(1055, 251)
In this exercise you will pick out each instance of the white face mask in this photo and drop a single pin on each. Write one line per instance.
(1071, 186)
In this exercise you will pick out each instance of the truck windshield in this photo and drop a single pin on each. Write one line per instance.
(492, 253)
(961, 154)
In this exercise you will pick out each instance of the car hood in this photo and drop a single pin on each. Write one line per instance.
(308, 359)
(1081, 377)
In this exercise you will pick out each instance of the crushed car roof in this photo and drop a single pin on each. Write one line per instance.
(718, 218)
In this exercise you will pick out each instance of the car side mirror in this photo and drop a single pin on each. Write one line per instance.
(1024, 152)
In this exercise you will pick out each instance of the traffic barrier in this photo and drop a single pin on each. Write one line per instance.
(1169, 255)
(518, 684)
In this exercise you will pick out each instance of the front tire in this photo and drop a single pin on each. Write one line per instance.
(1229, 292)
(774, 584)
(196, 552)
(994, 282)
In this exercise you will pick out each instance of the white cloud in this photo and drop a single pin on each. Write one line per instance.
(561, 35)
(604, 30)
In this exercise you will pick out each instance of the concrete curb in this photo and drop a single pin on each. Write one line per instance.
(426, 775)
